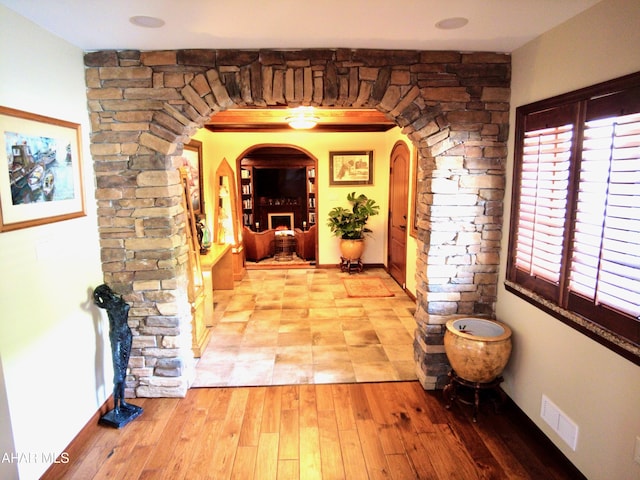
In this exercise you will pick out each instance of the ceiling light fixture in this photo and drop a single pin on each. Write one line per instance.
(302, 118)
(146, 22)
(452, 23)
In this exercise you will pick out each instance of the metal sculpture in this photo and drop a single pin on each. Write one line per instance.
(121, 339)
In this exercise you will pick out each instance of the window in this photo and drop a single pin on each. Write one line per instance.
(575, 221)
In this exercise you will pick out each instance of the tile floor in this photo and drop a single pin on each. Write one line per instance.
(297, 326)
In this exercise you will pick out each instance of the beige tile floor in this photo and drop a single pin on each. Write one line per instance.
(298, 326)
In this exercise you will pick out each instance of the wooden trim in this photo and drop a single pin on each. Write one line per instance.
(519, 417)
(35, 212)
(274, 120)
(413, 206)
(410, 294)
(75, 448)
(195, 146)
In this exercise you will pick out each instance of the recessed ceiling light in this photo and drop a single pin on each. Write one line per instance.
(452, 23)
(147, 22)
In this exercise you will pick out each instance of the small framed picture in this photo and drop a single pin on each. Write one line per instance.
(42, 180)
(351, 168)
(192, 155)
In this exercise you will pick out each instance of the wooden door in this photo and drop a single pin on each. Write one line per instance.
(398, 212)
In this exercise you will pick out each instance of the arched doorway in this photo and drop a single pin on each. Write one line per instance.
(398, 212)
(144, 105)
(278, 190)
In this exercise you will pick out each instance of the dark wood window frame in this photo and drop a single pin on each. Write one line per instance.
(556, 212)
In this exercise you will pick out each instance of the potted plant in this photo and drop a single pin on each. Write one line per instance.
(350, 224)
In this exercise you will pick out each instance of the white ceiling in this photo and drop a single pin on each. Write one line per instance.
(494, 25)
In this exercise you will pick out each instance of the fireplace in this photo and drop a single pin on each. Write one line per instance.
(281, 220)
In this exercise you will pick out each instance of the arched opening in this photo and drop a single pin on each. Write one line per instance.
(399, 221)
(144, 105)
(277, 188)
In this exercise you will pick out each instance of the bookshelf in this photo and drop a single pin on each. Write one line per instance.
(247, 196)
(311, 196)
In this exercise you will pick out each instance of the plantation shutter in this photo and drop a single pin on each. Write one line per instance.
(544, 184)
(605, 264)
(574, 237)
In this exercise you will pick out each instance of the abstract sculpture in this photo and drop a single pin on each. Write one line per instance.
(121, 338)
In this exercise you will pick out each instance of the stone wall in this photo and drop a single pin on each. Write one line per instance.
(144, 105)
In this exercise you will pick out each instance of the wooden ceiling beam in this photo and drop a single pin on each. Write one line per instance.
(274, 119)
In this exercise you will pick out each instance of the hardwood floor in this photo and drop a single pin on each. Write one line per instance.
(331, 431)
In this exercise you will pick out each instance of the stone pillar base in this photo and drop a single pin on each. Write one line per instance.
(432, 366)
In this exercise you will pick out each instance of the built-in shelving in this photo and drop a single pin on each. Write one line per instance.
(248, 201)
(311, 196)
(277, 182)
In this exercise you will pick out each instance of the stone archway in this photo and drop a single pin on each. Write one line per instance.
(144, 105)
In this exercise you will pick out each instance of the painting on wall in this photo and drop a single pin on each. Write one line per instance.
(351, 168)
(42, 181)
(192, 156)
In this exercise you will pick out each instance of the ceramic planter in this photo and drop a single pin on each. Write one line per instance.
(351, 249)
(478, 349)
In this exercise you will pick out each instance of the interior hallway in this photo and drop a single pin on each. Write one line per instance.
(299, 326)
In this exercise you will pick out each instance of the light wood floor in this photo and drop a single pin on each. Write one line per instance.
(390, 430)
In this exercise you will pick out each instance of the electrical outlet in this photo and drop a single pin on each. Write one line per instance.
(636, 455)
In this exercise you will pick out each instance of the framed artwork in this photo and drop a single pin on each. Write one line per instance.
(351, 168)
(192, 155)
(42, 180)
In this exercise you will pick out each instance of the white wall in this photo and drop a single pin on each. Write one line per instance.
(54, 345)
(596, 388)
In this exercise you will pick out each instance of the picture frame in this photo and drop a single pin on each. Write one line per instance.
(42, 181)
(192, 155)
(351, 168)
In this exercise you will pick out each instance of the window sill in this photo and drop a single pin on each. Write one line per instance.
(613, 342)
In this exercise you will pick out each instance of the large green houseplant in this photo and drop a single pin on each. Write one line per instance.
(350, 224)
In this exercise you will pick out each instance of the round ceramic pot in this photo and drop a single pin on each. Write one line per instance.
(351, 249)
(478, 349)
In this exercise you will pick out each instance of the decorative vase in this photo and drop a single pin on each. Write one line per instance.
(351, 249)
(478, 349)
